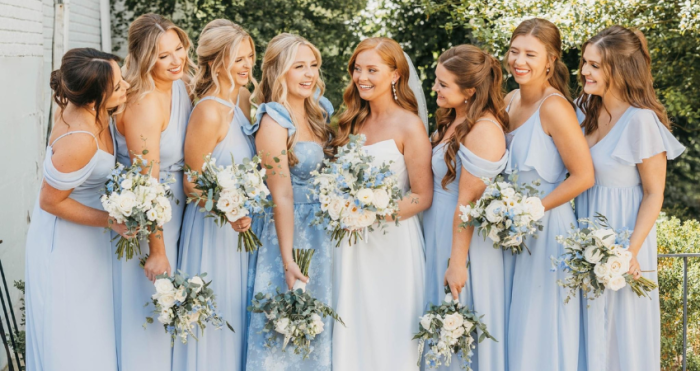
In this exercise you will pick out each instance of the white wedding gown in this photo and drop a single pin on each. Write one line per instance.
(378, 289)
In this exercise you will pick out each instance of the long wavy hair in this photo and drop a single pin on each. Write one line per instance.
(548, 34)
(85, 77)
(144, 33)
(626, 63)
(357, 109)
(278, 60)
(472, 68)
(220, 40)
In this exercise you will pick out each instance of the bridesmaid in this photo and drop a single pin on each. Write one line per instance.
(70, 315)
(379, 282)
(292, 117)
(155, 118)
(627, 130)
(471, 122)
(545, 144)
(226, 56)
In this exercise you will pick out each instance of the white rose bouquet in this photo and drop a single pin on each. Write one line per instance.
(231, 193)
(449, 328)
(294, 314)
(183, 302)
(354, 194)
(596, 258)
(139, 201)
(506, 213)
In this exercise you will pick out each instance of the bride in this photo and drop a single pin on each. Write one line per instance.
(378, 282)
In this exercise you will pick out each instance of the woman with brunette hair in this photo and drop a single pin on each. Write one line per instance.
(545, 144)
(379, 281)
(154, 119)
(292, 134)
(471, 121)
(70, 313)
(226, 55)
(627, 130)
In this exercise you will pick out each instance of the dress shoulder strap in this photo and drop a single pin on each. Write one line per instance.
(77, 131)
(551, 95)
(517, 92)
(217, 99)
(492, 121)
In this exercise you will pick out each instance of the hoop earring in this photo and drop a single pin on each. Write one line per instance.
(393, 88)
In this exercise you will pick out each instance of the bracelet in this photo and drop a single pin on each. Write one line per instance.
(286, 266)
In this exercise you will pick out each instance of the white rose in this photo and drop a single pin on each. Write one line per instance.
(198, 281)
(282, 325)
(426, 321)
(163, 201)
(317, 323)
(166, 300)
(366, 219)
(601, 270)
(253, 179)
(616, 283)
(225, 203)
(164, 286)
(508, 192)
(165, 316)
(616, 266)
(152, 214)
(236, 214)
(126, 184)
(181, 294)
(126, 203)
(441, 345)
(468, 327)
(592, 255)
(604, 237)
(381, 198)
(495, 210)
(458, 332)
(365, 196)
(533, 206)
(493, 235)
(335, 207)
(452, 321)
(226, 180)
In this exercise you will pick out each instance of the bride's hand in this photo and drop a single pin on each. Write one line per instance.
(455, 279)
(292, 274)
(241, 225)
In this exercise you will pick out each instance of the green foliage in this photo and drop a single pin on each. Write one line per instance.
(325, 23)
(19, 336)
(675, 237)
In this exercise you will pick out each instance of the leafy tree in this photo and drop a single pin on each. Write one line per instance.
(325, 23)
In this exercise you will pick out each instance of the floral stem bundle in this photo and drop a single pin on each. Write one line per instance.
(139, 201)
(506, 213)
(596, 258)
(231, 193)
(448, 329)
(355, 195)
(183, 302)
(294, 314)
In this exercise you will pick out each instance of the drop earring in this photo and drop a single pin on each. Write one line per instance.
(393, 88)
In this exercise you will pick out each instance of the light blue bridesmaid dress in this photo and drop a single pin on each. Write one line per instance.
(622, 331)
(484, 290)
(268, 270)
(542, 332)
(149, 349)
(207, 247)
(70, 312)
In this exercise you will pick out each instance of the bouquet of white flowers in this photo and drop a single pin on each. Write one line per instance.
(506, 213)
(294, 314)
(354, 194)
(183, 302)
(449, 328)
(596, 259)
(137, 200)
(231, 193)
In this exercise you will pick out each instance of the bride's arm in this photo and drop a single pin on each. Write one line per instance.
(417, 153)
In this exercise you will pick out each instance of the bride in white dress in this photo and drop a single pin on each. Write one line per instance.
(378, 282)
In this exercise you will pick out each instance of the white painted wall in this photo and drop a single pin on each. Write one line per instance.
(30, 48)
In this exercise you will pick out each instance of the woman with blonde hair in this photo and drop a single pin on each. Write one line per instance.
(226, 56)
(379, 281)
(628, 132)
(153, 123)
(545, 144)
(292, 134)
(468, 145)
